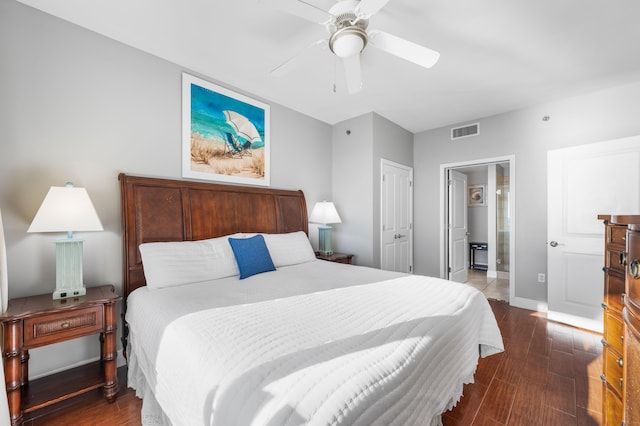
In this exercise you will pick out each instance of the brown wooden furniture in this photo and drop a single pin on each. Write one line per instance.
(36, 321)
(631, 315)
(176, 210)
(613, 335)
(616, 339)
(336, 257)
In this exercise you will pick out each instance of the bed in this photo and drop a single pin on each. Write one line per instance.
(211, 339)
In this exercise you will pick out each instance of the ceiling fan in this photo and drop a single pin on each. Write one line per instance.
(347, 22)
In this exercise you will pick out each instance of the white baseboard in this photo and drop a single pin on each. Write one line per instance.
(533, 305)
(580, 322)
(120, 361)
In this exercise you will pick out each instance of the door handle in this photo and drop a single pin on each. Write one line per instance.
(553, 244)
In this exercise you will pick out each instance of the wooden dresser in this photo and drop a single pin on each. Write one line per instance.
(613, 335)
(631, 316)
(618, 346)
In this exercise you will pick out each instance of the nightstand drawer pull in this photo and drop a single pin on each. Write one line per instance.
(65, 325)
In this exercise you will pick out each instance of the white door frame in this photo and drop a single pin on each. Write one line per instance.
(511, 159)
(384, 161)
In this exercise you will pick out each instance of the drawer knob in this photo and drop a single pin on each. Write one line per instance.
(620, 383)
(620, 362)
(604, 342)
(65, 324)
(603, 378)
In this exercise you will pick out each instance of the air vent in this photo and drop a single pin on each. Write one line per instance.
(465, 131)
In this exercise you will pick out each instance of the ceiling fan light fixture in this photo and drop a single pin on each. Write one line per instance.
(348, 41)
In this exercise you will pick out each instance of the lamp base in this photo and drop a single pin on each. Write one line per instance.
(324, 240)
(69, 269)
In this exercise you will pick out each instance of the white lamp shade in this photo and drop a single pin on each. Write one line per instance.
(324, 212)
(66, 209)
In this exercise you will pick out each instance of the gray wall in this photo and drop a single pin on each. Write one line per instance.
(594, 117)
(359, 144)
(76, 106)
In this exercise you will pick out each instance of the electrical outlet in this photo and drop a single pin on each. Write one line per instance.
(540, 278)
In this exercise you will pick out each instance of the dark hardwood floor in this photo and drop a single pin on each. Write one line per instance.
(548, 375)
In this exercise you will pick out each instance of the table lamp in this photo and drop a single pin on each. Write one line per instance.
(67, 209)
(324, 213)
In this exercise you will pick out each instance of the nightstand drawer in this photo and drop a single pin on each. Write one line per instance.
(46, 329)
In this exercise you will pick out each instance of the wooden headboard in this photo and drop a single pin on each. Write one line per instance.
(175, 210)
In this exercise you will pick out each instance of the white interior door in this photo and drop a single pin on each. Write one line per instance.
(396, 218)
(458, 227)
(585, 181)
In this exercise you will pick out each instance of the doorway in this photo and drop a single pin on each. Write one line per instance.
(489, 208)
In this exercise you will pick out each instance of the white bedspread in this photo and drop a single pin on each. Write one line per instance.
(391, 352)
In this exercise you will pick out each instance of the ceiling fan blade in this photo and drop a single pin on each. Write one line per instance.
(404, 49)
(353, 73)
(297, 59)
(301, 9)
(368, 8)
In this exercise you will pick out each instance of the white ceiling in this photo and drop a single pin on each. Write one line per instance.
(496, 55)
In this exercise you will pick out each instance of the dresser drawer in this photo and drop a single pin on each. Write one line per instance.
(613, 291)
(617, 234)
(46, 329)
(613, 330)
(613, 370)
(612, 405)
(612, 257)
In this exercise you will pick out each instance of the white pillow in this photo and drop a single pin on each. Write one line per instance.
(169, 264)
(289, 249)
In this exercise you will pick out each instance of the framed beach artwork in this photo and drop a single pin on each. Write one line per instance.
(225, 135)
(476, 196)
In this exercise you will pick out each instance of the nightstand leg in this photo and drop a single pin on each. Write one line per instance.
(12, 357)
(24, 366)
(108, 352)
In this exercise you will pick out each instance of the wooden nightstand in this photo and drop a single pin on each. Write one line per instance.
(36, 321)
(336, 257)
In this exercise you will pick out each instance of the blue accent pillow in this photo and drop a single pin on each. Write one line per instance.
(252, 255)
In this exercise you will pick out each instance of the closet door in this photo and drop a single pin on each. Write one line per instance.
(585, 181)
(396, 199)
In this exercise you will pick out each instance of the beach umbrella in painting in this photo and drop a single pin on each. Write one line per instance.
(243, 127)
